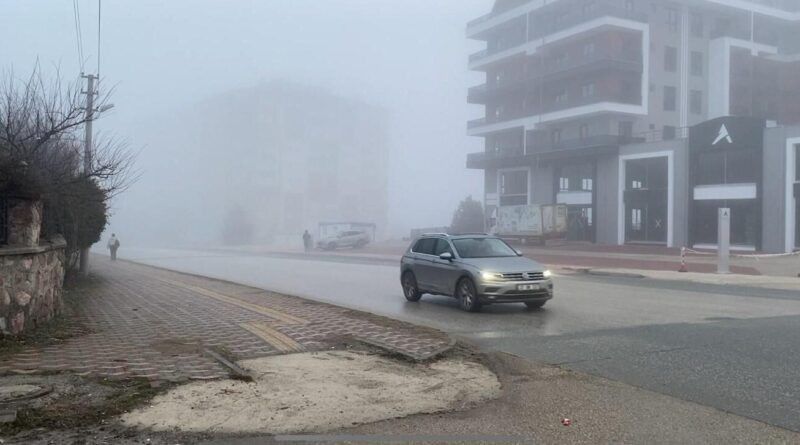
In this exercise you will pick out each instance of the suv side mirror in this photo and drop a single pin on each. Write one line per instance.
(446, 256)
(519, 252)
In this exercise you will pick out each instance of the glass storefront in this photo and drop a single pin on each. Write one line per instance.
(646, 200)
(745, 215)
(577, 180)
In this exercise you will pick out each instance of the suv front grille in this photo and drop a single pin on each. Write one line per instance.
(527, 276)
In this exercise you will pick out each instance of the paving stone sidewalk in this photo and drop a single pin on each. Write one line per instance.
(139, 321)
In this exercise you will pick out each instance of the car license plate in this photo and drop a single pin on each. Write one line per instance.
(528, 287)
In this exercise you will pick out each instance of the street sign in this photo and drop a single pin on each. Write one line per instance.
(724, 241)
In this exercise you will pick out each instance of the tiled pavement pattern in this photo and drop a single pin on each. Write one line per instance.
(152, 323)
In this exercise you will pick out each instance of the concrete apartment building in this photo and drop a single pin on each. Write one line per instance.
(643, 116)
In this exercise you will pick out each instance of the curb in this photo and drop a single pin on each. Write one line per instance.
(407, 355)
(603, 273)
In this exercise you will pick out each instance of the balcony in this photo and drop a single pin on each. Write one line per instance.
(582, 144)
(548, 25)
(476, 123)
(478, 55)
(599, 145)
(556, 72)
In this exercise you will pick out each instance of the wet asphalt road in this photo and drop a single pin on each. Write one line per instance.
(734, 349)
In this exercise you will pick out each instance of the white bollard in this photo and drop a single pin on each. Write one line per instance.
(724, 241)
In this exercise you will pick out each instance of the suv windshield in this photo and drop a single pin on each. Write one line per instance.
(483, 248)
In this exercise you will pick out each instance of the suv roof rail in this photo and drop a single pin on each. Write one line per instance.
(469, 233)
(434, 234)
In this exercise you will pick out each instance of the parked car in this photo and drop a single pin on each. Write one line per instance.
(352, 238)
(475, 269)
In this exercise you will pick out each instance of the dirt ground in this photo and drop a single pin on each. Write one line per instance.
(318, 391)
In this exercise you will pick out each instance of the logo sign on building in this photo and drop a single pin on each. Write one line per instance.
(728, 133)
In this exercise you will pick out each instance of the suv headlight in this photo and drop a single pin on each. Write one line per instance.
(491, 276)
(547, 273)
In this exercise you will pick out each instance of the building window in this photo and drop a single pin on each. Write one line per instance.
(636, 219)
(670, 59)
(626, 129)
(555, 136)
(513, 187)
(670, 95)
(561, 58)
(561, 97)
(696, 102)
(587, 90)
(584, 131)
(672, 19)
(734, 167)
(629, 5)
(588, 6)
(697, 63)
(696, 25)
(588, 49)
(576, 178)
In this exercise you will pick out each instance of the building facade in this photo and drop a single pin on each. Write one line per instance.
(607, 105)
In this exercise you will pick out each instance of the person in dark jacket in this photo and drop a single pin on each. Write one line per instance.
(307, 241)
(113, 245)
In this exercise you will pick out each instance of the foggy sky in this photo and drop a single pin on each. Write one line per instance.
(406, 56)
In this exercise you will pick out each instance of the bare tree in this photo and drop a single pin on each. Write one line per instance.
(41, 145)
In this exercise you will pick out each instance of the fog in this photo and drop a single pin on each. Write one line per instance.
(210, 92)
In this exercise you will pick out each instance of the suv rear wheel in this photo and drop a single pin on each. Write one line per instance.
(467, 295)
(410, 289)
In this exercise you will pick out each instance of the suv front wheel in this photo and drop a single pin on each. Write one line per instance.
(467, 295)
(410, 289)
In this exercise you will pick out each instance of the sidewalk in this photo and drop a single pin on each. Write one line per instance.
(145, 322)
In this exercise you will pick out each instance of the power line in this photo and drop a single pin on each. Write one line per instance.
(77, 19)
(99, 17)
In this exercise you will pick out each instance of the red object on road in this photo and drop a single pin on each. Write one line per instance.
(566, 422)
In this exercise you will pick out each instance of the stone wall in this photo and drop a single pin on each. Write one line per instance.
(31, 280)
(31, 272)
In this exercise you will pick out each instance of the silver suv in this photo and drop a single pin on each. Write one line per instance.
(475, 269)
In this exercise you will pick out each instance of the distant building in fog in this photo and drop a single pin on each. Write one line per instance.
(273, 160)
(589, 103)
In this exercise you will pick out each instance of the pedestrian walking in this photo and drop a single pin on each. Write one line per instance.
(113, 245)
(307, 241)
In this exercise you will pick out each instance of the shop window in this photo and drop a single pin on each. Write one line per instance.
(739, 167)
(576, 178)
(636, 219)
(513, 187)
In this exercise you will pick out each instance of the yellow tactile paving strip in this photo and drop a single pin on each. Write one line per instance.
(277, 315)
(280, 341)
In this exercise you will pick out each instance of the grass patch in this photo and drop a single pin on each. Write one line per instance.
(66, 413)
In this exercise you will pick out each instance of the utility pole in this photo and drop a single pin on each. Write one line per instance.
(87, 154)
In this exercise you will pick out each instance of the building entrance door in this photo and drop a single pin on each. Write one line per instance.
(580, 223)
(646, 196)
